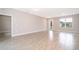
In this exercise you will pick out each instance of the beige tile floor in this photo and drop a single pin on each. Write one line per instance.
(41, 41)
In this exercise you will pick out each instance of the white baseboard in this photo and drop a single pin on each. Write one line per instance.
(67, 31)
(14, 35)
(5, 33)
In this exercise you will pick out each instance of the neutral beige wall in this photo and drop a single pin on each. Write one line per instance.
(5, 24)
(75, 24)
(24, 23)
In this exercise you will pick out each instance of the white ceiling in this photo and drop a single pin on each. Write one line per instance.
(50, 12)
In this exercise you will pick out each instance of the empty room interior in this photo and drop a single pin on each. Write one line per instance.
(39, 29)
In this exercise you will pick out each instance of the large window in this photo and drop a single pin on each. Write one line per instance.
(66, 22)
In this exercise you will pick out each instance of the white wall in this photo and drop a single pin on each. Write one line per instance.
(24, 23)
(76, 23)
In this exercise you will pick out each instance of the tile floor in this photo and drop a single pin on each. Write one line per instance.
(41, 41)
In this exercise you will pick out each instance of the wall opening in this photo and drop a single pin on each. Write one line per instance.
(5, 26)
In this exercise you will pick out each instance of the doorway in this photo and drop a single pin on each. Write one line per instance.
(5, 26)
(50, 24)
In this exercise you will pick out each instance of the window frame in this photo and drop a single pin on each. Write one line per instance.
(65, 22)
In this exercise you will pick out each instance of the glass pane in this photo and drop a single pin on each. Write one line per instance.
(62, 20)
(69, 22)
(69, 19)
(62, 24)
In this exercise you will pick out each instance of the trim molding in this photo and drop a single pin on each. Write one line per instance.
(14, 35)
